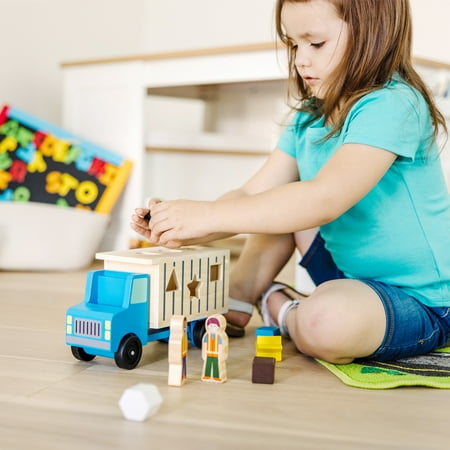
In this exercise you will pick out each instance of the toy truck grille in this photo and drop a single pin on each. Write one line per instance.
(88, 328)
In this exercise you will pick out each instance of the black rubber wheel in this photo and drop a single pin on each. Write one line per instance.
(129, 353)
(79, 353)
(198, 332)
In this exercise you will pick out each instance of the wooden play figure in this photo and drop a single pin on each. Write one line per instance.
(215, 350)
(178, 347)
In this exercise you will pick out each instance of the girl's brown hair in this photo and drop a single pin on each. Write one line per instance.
(379, 45)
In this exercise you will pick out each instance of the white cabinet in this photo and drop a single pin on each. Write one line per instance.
(194, 123)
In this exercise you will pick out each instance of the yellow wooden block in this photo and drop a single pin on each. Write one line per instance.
(269, 346)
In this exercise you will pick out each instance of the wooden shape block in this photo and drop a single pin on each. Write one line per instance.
(268, 331)
(140, 402)
(263, 370)
(269, 346)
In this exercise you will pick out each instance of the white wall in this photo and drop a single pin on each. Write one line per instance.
(431, 29)
(207, 23)
(182, 24)
(40, 34)
(37, 35)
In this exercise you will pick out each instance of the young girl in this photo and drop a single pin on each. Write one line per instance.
(355, 184)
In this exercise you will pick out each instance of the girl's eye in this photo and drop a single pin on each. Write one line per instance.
(317, 44)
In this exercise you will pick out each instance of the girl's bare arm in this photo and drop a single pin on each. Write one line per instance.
(282, 208)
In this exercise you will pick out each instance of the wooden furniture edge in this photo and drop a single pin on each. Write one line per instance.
(177, 54)
(261, 46)
(230, 152)
(431, 63)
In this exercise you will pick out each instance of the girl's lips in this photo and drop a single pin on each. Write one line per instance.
(311, 80)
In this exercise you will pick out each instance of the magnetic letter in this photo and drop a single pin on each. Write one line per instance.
(39, 137)
(5, 178)
(18, 171)
(48, 145)
(8, 144)
(38, 164)
(5, 161)
(53, 180)
(26, 154)
(97, 167)
(10, 128)
(6, 196)
(110, 173)
(22, 194)
(68, 182)
(84, 161)
(86, 192)
(24, 136)
(60, 150)
(62, 202)
(72, 155)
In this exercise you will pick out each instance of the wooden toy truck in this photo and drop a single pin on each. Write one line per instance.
(130, 302)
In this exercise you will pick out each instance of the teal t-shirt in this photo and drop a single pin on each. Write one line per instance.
(399, 233)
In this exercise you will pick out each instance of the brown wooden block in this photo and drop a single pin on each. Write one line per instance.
(263, 370)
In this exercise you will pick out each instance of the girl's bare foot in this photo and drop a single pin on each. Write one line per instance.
(237, 318)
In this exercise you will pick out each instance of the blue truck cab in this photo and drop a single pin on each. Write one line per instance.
(112, 321)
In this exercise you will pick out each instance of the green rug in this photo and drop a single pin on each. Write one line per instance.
(431, 370)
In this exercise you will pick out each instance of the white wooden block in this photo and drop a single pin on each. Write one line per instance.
(140, 402)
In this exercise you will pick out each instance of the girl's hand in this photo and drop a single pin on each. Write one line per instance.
(179, 222)
(141, 218)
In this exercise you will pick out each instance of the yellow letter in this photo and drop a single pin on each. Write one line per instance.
(38, 164)
(109, 174)
(60, 150)
(5, 177)
(86, 192)
(48, 145)
(8, 144)
(53, 180)
(68, 182)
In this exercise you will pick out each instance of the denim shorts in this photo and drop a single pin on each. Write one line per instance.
(412, 328)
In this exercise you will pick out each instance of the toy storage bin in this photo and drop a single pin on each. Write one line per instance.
(37, 236)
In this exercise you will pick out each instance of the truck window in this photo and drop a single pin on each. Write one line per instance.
(108, 291)
(139, 291)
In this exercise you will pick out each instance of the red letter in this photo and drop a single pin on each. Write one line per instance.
(18, 171)
(39, 137)
(97, 167)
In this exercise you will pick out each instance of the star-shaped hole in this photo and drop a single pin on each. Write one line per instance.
(194, 287)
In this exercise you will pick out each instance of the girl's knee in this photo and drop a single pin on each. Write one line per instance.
(324, 331)
(319, 332)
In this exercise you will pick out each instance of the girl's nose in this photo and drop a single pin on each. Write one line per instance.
(301, 59)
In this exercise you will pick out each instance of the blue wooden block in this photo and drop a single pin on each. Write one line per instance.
(268, 331)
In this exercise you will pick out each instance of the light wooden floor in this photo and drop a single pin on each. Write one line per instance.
(48, 400)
